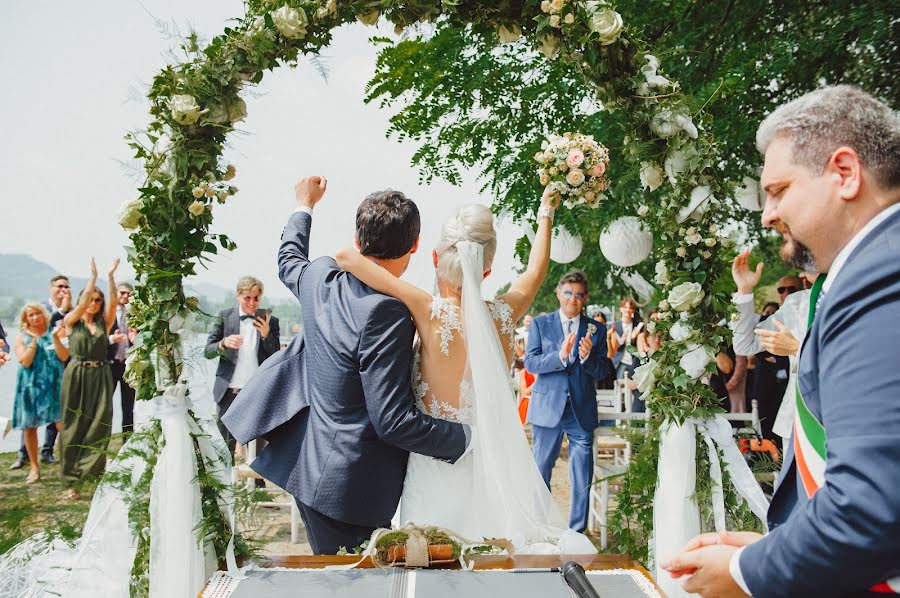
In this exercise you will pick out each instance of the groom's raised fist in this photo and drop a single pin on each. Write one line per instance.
(309, 190)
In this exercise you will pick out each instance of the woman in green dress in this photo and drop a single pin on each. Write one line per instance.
(87, 384)
(41, 356)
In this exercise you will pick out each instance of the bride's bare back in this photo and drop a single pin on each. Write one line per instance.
(440, 380)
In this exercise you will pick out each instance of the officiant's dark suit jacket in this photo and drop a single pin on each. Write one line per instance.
(847, 537)
(337, 405)
(228, 323)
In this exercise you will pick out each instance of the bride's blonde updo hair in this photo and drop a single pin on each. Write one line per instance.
(474, 222)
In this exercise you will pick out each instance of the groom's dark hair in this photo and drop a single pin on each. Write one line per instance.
(387, 225)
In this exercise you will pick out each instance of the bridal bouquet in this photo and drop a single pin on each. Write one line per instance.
(574, 165)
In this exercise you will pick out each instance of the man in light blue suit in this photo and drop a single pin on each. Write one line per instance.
(567, 352)
(832, 181)
(337, 405)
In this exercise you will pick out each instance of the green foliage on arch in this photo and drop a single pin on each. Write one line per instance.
(592, 55)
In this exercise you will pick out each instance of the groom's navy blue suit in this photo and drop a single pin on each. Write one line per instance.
(847, 537)
(337, 405)
(564, 400)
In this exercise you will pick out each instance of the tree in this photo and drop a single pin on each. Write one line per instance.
(474, 104)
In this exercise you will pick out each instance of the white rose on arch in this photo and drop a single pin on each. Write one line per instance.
(685, 296)
(290, 22)
(662, 273)
(677, 162)
(605, 22)
(681, 331)
(669, 122)
(185, 109)
(701, 197)
(651, 176)
(695, 360)
(645, 376)
(130, 214)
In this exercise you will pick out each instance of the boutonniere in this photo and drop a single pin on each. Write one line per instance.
(591, 329)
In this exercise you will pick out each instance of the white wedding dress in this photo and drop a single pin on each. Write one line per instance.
(495, 489)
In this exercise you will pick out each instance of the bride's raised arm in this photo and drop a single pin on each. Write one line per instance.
(525, 288)
(417, 301)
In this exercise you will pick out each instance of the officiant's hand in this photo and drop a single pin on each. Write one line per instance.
(309, 190)
(708, 568)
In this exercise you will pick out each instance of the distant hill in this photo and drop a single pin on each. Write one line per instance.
(24, 277)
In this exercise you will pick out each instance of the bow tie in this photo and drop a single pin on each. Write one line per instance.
(246, 317)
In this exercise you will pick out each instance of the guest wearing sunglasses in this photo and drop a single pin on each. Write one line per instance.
(787, 285)
(87, 384)
(567, 351)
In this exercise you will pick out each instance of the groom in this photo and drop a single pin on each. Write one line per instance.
(337, 405)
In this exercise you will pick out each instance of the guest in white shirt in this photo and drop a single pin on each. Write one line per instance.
(242, 338)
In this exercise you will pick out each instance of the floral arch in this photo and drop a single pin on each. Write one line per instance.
(196, 104)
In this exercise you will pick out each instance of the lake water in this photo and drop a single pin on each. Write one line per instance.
(205, 368)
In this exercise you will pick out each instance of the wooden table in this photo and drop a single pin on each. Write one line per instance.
(482, 562)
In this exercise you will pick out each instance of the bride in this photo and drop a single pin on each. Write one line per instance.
(461, 373)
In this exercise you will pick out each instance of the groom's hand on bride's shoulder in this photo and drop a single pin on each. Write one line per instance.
(309, 190)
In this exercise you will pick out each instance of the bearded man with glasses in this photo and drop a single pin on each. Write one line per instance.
(567, 351)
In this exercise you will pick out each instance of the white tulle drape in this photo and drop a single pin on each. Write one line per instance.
(512, 500)
(676, 515)
(100, 562)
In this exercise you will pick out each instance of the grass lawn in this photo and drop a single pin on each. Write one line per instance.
(29, 509)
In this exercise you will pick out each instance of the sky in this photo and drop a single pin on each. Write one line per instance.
(74, 77)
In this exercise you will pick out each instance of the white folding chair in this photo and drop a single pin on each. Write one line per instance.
(243, 471)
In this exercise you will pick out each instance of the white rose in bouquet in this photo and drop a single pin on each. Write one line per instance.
(605, 22)
(662, 273)
(185, 109)
(130, 214)
(290, 22)
(681, 331)
(685, 296)
(695, 360)
(645, 376)
(651, 176)
(575, 177)
(509, 35)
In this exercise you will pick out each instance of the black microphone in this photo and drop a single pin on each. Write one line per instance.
(573, 574)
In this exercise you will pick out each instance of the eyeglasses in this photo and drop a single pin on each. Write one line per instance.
(788, 290)
(125, 292)
(61, 286)
(570, 294)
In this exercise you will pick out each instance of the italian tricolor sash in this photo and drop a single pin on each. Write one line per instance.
(809, 444)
